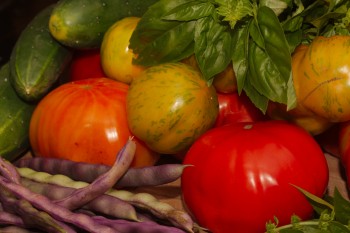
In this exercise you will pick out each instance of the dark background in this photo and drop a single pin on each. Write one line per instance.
(14, 16)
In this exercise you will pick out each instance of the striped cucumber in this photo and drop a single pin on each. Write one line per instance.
(82, 23)
(37, 59)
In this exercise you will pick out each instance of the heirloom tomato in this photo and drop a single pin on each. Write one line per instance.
(85, 121)
(242, 175)
(169, 106)
(116, 57)
(86, 64)
(321, 77)
(344, 148)
(300, 115)
(237, 108)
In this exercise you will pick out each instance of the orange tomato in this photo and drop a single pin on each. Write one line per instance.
(85, 121)
(116, 57)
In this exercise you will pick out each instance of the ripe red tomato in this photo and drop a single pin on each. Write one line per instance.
(85, 121)
(86, 64)
(237, 108)
(242, 174)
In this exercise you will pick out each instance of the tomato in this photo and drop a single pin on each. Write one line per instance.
(237, 108)
(242, 174)
(300, 115)
(86, 64)
(321, 77)
(225, 82)
(169, 106)
(116, 57)
(344, 148)
(85, 121)
(314, 124)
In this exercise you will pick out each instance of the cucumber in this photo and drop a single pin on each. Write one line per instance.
(37, 59)
(81, 24)
(15, 115)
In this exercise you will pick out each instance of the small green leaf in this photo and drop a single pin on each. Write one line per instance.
(234, 10)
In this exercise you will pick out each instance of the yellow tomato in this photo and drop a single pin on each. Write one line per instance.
(116, 57)
(169, 106)
(321, 76)
(300, 115)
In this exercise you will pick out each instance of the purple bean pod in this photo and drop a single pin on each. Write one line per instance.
(7, 218)
(58, 212)
(103, 204)
(102, 183)
(31, 216)
(145, 227)
(134, 177)
(9, 171)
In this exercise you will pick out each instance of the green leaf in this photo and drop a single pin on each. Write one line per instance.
(315, 201)
(191, 11)
(156, 40)
(278, 6)
(259, 100)
(337, 227)
(341, 207)
(270, 62)
(240, 41)
(234, 10)
(213, 46)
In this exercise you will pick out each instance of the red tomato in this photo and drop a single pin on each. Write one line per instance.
(237, 108)
(242, 174)
(86, 64)
(344, 147)
(85, 121)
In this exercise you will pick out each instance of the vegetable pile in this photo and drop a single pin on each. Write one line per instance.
(230, 99)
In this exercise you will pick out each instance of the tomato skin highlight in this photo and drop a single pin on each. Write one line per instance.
(241, 176)
(85, 121)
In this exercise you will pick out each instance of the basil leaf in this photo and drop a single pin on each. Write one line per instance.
(173, 45)
(271, 62)
(336, 227)
(155, 40)
(190, 11)
(259, 100)
(240, 42)
(213, 46)
(341, 207)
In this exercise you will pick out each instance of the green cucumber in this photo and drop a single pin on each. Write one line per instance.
(81, 24)
(37, 59)
(15, 115)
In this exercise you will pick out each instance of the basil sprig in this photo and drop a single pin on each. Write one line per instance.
(256, 37)
(333, 216)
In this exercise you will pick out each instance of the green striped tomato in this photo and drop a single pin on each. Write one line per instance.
(169, 106)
